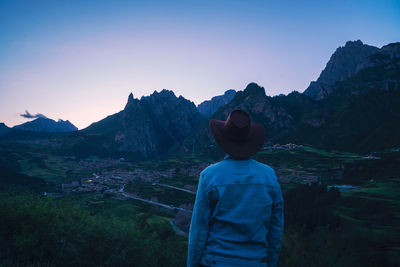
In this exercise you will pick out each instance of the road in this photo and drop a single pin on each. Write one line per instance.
(177, 188)
(128, 195)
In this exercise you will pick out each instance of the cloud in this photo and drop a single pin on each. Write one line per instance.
(28, 115)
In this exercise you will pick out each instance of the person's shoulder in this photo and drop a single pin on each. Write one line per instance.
(207, 174)
(211, 168)
(268, 171)
(263, 166)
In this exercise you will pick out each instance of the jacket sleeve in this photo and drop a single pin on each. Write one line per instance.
(275, 230)
(199, 225)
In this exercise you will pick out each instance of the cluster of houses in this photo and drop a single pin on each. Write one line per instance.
(286, 147)
(302, 178)
(111, 181)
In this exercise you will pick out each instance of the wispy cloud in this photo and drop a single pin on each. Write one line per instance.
(28, 115)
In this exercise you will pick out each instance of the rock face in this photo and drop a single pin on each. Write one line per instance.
(387, 56)
(4, 128)
(150, 126)
(209, 107)
(344, 62)
(46, 125)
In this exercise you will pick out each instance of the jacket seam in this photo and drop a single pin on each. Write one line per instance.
(239, 185)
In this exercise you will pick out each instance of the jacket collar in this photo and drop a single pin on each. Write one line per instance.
(230, 157)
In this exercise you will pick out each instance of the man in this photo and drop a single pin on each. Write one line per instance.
(237, 218)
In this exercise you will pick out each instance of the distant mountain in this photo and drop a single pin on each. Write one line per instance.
(146, 127)
(209, 107)
(344, 62)
(46, 125)
(4, 128)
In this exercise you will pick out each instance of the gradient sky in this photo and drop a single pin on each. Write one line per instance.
(79, 60)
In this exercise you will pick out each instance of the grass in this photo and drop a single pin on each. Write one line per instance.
(382, 190)
(50, 168)
(305, 159)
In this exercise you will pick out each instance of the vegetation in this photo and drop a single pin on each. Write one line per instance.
(322, 227)
(35, 231)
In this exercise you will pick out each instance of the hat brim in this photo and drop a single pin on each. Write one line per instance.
(237, 150)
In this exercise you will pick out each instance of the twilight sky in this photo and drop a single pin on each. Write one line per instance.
(79, 60)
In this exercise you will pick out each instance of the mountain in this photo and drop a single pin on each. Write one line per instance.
(344, 62)
(378, 71)
(361, 113)
(209, 107)
(4, 128)
(146, 128)
(43, 124)
(280, 115)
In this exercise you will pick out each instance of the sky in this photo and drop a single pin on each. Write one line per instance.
(79, 60)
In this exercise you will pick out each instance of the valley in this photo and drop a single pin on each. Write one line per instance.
(164, 191)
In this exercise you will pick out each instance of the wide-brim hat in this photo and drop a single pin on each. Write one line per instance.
(238, 136)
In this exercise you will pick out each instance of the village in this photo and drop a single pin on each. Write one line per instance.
(111, 181)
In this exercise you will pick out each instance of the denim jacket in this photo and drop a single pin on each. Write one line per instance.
(237, 218)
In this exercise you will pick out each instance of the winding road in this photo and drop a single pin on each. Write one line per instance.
(128, 195)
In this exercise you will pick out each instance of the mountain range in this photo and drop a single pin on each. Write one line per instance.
(40, 124)
(357, 113)
(354, 105)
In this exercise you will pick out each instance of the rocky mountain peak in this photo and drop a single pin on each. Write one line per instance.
(130, 97)
(131, 101)
(164, 94)
(254, 90)
(230, 92)
(344, 62)
(151, 125)
(358, 43)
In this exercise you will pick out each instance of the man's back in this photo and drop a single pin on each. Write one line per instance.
(241, 203)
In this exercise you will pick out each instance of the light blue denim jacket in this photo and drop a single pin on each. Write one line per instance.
(237, 218)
